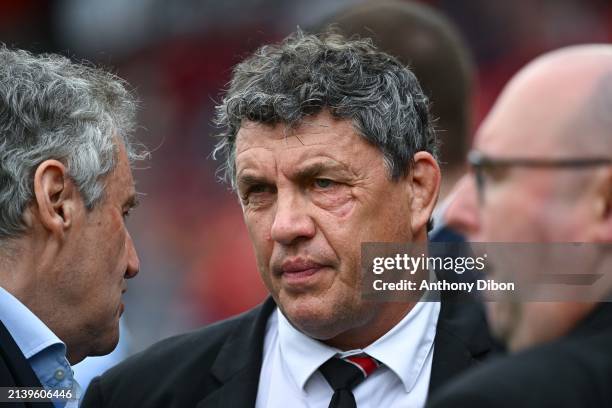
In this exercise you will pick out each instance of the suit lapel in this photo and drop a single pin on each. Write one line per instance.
(462, 339)
(238, 364)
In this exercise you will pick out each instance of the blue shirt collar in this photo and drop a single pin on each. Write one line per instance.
(28, 331)
(45, 352)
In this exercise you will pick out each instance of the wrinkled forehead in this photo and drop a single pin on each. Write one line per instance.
(323, 141)
(323, 131)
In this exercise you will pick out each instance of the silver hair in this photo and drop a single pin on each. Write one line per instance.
(305, 74)
(52, 108)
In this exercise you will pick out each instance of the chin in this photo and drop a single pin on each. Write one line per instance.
(318, 329)
(319, 320)
(104, 339)
(106, 345)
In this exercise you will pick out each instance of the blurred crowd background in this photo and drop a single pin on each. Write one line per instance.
(197, 265)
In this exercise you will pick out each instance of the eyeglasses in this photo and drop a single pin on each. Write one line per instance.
(481, 163)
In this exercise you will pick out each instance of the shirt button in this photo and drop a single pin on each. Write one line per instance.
(59, 374)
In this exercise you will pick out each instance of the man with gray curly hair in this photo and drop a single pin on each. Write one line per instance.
(65, 189)
(328, 144)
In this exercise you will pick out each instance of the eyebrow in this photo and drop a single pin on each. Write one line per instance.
(315, 169)
(132, 201)
(306, 172)
(247, 180)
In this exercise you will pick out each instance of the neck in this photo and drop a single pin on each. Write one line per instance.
(26, 267)
(544, 322)
(18, 270)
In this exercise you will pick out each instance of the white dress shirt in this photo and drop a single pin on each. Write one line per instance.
(45, 352)
(290, 377)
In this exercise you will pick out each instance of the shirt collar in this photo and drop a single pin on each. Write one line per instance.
(412, 338)
(29, 332)
(302, 354)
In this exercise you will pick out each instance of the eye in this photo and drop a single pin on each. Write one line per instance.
(323, 183)
(257, 193)
(127, 213)
(258, 188)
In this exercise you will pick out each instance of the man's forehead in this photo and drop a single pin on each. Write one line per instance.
(320, 130)
(321, 144)
(524, 125)
(503, 136)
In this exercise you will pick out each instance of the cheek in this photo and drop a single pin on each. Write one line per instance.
(338, 201)
(388, 219)
(259, 229)
(120, 241)
(113, 250)
(567, 219)
(506, 215)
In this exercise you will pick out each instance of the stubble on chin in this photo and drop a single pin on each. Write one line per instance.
(325, 320)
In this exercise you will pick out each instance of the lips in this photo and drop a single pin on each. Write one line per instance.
(299, 266)
(299, 271)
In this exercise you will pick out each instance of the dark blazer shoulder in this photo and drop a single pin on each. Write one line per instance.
(573, 371)
(15, 371)
(462, 339)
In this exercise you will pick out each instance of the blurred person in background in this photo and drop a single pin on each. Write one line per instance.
(329, 144)
(543, 161)
(65, 189)
(429, 44)
(426, 41)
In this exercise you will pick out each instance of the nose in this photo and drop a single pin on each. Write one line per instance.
(462, 214)
(133, 264)
(291, 219)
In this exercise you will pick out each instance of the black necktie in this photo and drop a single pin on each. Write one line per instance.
(345, 374)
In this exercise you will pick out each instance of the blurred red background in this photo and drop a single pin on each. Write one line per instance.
(197, 265)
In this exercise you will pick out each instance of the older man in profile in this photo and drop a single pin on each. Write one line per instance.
(543, 160)
(328, 144)
(65, 190)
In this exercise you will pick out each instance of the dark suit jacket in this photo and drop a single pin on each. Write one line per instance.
(574, 371)
(446, 234)
(218, 366)
(15, 371)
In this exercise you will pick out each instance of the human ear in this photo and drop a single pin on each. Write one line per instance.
(603, 208)
(55, 197)
(425, 183)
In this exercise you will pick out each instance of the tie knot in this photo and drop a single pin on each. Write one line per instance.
(346, 373)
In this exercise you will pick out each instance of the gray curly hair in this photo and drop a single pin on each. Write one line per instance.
(51, 108)
(305, 74)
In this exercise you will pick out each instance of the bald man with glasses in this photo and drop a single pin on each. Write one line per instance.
(542, 172)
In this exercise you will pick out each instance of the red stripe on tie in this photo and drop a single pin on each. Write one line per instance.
(367, 364)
